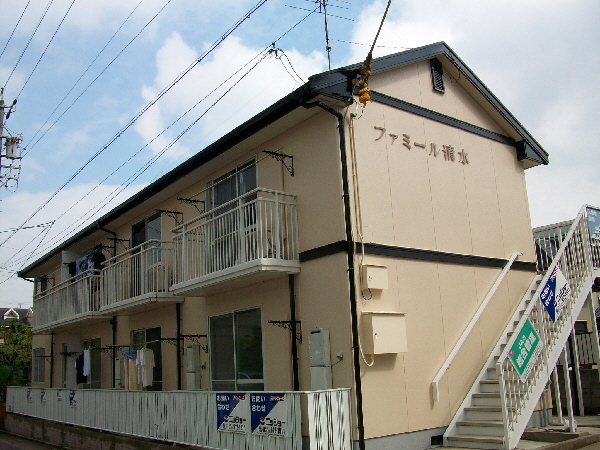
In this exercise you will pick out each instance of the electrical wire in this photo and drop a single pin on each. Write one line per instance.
(97, 208)
(377, 46)
(29, 148)
(15, 28)
(140, 113)
(46, 49)
(145, 167)
(81, 76)
(29, 41)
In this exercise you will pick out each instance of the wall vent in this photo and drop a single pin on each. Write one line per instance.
(437, 75)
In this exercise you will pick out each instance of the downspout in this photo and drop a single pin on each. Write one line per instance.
(178, 342)
(51, 357)
(113, 322)
(351, 280)
(296, 375)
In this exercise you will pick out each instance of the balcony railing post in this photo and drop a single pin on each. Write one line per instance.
(241, 228)
(277, 236)
(184, 256)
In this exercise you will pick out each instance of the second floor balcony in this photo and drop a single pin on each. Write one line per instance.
(138, 277)
(249, 239)
(75, 300)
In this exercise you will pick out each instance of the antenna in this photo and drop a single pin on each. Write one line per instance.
(323, 6)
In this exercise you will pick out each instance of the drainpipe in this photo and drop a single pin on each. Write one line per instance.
(113, 323)
(296, 374)
(351, 280)
(178, 343)
(51, 357)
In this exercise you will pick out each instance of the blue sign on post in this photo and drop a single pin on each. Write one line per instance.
(232, 412)
(556, 293)
(593, 216)
(268, 413)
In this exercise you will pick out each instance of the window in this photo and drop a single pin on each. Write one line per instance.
(150, 338)
(225, 230)
(236, 357)
(94, 380)
(146, 267)
(39, 365)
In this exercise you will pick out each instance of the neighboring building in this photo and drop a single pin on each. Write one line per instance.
(362, 241)
(24, 315)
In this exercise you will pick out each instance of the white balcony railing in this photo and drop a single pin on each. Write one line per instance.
(190, 417)
(141, 271)
(67, 301)
(257, 228)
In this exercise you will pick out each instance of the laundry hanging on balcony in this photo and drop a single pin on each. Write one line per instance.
(145, 366)
(79, 363)
(91, 261)
(130, 370)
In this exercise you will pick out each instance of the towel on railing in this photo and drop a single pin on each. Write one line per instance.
(145, 366)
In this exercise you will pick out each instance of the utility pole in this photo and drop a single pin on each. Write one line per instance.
(9, 143)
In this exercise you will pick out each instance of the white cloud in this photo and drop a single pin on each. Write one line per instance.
(27, 245)
(261, 87)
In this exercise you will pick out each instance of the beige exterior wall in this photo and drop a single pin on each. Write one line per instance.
(408, 198)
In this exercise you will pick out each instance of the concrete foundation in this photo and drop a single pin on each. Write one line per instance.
(74, 437)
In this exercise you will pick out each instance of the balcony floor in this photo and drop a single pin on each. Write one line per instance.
(237, 276)
(72, 321)
(140, 303)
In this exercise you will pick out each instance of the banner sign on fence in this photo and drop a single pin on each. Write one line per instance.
(593, 216)
(232, 412)
(59, 395)
(28, 394)
(72, 399)
(43, 395)
(525, 350)
(269, 414)
(555, 294)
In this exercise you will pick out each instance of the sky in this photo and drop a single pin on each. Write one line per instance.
(113, 94)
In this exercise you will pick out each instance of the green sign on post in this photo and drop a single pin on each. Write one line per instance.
(525, 350)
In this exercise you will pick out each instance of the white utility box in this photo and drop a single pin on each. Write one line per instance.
(383, 332)
(375, 277)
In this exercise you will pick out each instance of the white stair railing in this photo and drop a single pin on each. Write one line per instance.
(467, 331)
(519, 398)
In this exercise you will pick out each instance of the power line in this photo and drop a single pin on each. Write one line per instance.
(48, 45)
(29, 148)
(29, 41)
(114, 193)
(15, 28)
(140, 113)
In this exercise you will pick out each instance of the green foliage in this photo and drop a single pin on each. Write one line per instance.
(15, 354)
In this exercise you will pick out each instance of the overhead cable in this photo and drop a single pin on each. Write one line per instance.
(139, 114)
(29, 41)
(15, 28)
(48, 45)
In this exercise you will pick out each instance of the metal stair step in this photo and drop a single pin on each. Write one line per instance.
(481, 428)
(486, 399)
(490, 386)
(470, 441)
(483, 413)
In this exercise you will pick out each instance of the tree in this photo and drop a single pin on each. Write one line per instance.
(15, 355)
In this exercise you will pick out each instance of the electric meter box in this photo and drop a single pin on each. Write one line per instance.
(374, 277)
(320, 359)
(383, 332)
(193, 376)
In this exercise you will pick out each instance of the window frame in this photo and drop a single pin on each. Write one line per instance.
(38, 367)
(238, 382)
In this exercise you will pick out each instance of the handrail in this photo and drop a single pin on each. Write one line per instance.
(59, 286)
(465, 334)
(531, 305)
(137, 248)
(178, 228)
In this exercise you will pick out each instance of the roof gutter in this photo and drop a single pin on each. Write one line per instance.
(351, 277)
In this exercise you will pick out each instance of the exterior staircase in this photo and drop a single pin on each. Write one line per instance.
(498, 406)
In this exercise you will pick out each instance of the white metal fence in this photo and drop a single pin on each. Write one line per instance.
(261, 224)
(144, 269)
(187, 417)
(77, 295)
(572, 253)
